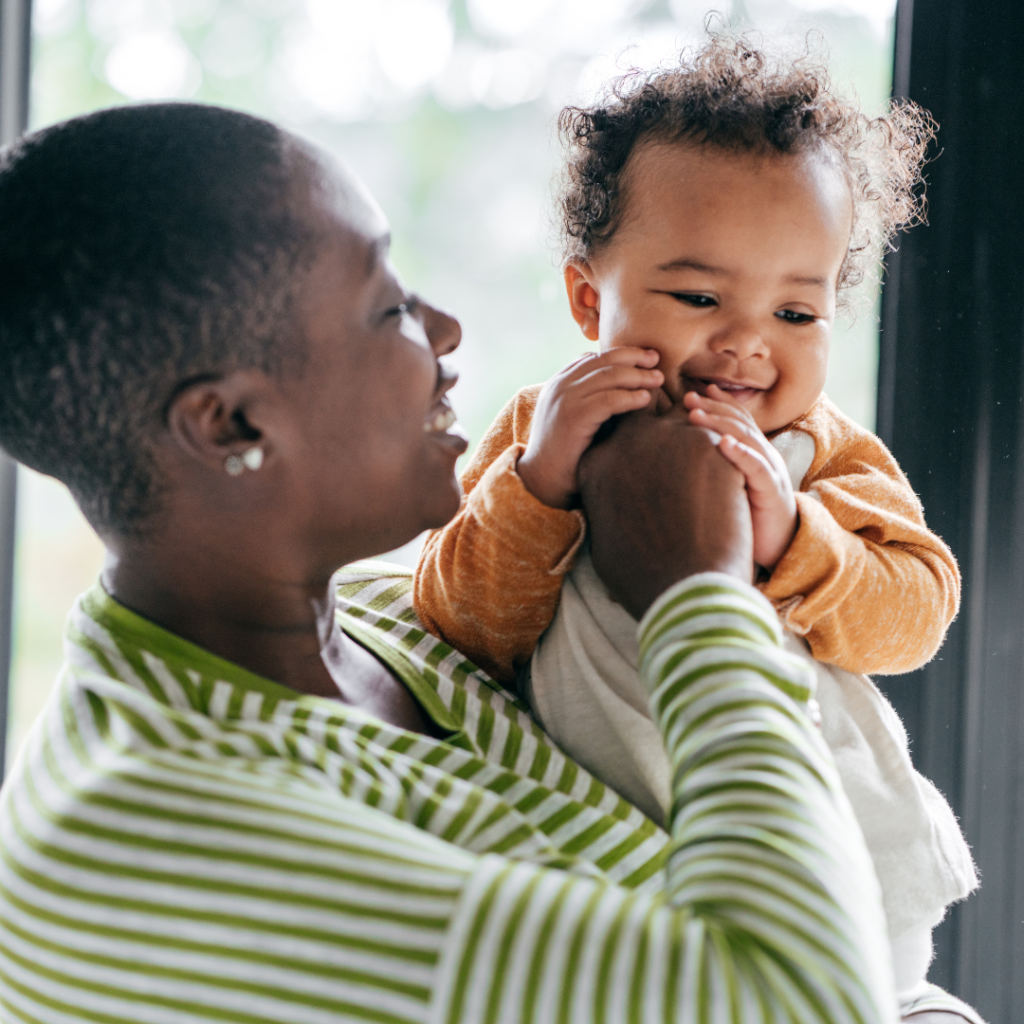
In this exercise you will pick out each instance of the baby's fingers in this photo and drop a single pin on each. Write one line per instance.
(719, 406)
(630, 355)
(602, 405)
(646, 358)
(741, 430)
(603, 378)
(762, 480)
(772, 504)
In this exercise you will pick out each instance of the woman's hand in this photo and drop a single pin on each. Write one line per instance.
(662, 505)
(769, 489)
(571, 408)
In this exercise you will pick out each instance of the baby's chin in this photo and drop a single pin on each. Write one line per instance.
(771, 419)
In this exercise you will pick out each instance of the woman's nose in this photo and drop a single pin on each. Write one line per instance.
(443, 330)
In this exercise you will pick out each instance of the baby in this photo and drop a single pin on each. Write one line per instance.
(712, 215)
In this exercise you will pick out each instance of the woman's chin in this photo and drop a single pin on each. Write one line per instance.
(445, 507)
(434, 510)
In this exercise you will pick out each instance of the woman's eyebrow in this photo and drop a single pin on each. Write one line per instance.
(378, 248)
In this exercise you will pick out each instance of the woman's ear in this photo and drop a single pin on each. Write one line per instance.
(584, 299)
(212, 420)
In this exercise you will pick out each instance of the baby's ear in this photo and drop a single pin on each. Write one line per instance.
(584, 299)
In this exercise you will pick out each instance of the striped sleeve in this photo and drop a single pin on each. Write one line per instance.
(138, 886)
(770, 910)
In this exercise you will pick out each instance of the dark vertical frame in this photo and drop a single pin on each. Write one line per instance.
(15, 55)
(951, 406)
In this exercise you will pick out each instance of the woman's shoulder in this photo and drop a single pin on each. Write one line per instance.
(356, 579)
(376, 596)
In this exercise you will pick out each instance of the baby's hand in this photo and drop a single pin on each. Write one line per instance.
(570, 410)
(772, 504)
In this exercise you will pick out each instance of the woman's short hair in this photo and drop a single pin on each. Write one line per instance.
(141, 248)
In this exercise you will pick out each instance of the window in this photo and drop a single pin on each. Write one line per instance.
(447, 110)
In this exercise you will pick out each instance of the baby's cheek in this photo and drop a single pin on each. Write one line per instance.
(620, 326)
(621, 336)
(793, 395)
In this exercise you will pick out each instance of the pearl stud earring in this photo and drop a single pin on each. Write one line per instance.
(251, 458)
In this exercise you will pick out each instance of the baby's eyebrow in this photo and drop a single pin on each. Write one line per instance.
(820, 282)
(688, 264)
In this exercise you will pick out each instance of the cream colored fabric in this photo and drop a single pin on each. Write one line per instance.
(584, 687)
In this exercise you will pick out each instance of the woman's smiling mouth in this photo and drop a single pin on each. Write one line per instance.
(441, 422)
(442, 425)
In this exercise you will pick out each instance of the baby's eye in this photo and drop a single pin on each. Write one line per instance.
(791, 316)
(695, 299)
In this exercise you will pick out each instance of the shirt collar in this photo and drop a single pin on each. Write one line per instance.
(132, 634)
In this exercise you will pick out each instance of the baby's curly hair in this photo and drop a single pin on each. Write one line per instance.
(735, 95)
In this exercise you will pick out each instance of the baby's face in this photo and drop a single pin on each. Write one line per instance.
(726, 264)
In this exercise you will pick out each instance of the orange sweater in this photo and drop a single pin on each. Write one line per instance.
(864, 581)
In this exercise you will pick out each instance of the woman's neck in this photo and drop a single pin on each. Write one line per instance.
(274, 627)
(284, 631)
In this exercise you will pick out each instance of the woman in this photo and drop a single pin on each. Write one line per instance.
(261, 792)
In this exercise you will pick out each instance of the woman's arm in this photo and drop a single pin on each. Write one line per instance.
(770, 910)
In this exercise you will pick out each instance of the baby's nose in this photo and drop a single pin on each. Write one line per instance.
(740, 340)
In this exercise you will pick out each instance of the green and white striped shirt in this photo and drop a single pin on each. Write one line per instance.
(181, 840)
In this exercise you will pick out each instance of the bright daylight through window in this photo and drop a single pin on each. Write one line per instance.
(447, 106)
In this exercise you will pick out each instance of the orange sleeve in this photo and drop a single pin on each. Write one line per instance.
(488, 582)
(865, 582)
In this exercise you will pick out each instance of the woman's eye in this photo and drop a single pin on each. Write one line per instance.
(695, 299)
(409, 306)
(791, 316)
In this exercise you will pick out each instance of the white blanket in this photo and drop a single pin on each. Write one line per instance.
(584, 688)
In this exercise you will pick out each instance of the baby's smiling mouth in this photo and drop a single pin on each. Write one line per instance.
(740, 390)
